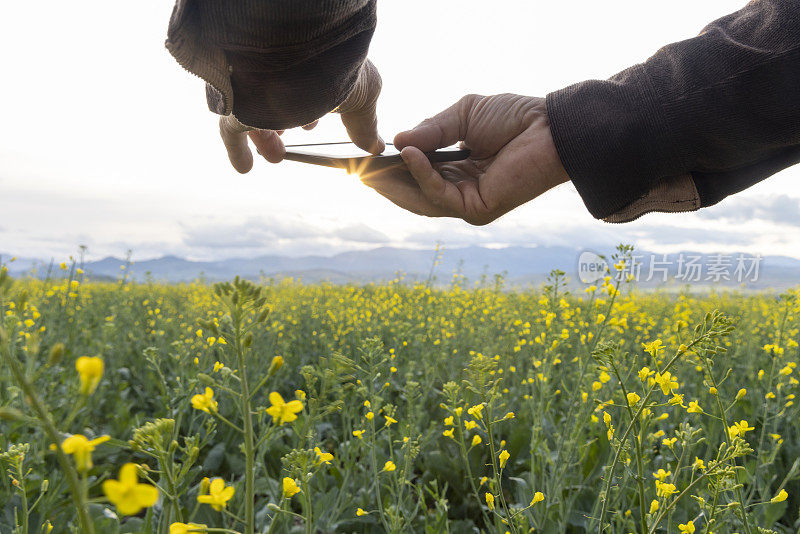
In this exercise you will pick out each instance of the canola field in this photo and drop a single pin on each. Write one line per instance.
(405, 408)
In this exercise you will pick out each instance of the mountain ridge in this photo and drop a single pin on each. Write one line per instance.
(520, 265)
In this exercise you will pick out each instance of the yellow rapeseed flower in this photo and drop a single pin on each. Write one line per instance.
(662, 475)
(633, 399)
(290, 487)
(653, 347)
(676, 400)
(476, 411)
(360, 512)
(448, 433)
(694, 407)
(186, 528)
(653, 506)
(476, 440)
(80, 447)
(537, 497)
(90, 370)
(739, 429)
(503, 457)
(687, 527)
(283, 412)
(780, 497)
(323, 457)
(205, 402)
(645, 373)
(664, 489)
(359, 433)
(218, 494)
(666, 382)
(389, 466)
(127, 494)
(698, 463)
(489, 500)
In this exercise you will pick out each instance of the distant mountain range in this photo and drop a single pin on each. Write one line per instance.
(518, 265)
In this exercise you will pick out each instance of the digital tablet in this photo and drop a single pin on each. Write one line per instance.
(347, 156)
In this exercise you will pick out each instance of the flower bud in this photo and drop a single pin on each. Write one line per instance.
(56, 353)
(277, 363)
(11, 414)
(206, 380)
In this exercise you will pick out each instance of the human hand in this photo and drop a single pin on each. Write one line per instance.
(358, 114)
(513, 160)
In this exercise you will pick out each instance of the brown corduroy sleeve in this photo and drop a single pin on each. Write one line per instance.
(274, 64)
(700, 120)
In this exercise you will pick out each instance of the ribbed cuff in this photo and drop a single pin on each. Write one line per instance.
(612, 139)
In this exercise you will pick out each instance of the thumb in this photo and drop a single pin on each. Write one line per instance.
(441, 130)
(359, 110)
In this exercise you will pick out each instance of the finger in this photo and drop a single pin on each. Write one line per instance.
(437, 190)
(400, 188)
(269, 144)
(359, 110)
(362, 128)
(441, 130)
(310, 125)
(235, 141)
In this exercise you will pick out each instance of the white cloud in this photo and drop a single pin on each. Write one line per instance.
(109, 142)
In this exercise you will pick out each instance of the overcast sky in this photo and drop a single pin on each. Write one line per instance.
(107, 142)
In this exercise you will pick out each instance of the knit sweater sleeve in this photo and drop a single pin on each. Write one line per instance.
(274, 64)
(700, 120)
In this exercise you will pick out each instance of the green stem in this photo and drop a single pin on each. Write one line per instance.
(247, 417)
(25, 511)
(498, 473)
(470, 476)
(738, 490)
(308, 519)
(226, 421)
(166, 468)
(44, 417)
(642, 404)
(637, 441)
(249, 457)
(675, 501)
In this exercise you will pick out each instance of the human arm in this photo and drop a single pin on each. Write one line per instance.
(269, 66)
(701, 119)
(512, 160)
